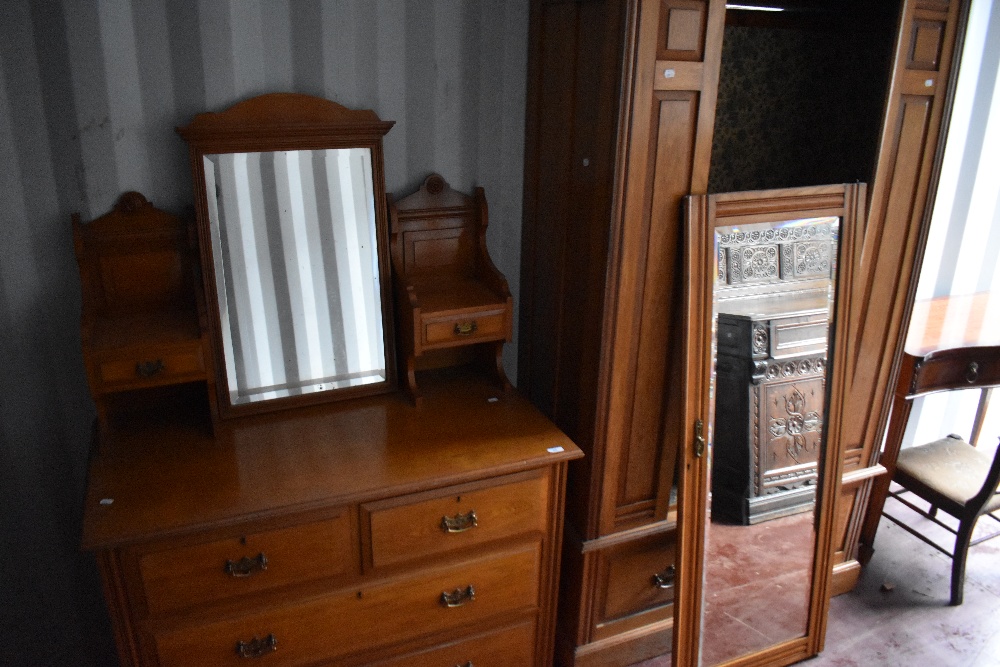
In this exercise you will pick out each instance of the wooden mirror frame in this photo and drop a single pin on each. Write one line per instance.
(289, 122)
(705, 214)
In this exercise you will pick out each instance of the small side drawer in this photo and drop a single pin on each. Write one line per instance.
(500, 648)
(482, 325)
(793, 336)
(152, 368)
(636, 579)
(322, 630)
(196, 574)
(414, 526)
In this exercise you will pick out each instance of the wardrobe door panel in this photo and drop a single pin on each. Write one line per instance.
(682, 30)
(899, 213)
(651, 442)
(670, 136)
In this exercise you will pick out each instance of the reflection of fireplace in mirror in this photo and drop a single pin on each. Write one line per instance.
(773, 302)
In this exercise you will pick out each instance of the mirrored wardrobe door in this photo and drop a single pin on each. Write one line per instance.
(767, 279)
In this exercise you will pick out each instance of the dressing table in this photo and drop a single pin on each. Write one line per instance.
(291, 507)
(358, 532)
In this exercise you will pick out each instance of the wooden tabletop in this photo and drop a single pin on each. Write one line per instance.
(951, 321)
(167, 474)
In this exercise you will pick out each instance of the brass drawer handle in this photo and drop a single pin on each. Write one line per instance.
(666, 578)
(460, 522)
(257, 647)
(465, 328)
(246, 566)
(458, 597)
(148, 369)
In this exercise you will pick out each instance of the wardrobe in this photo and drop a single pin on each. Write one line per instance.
(633, 105)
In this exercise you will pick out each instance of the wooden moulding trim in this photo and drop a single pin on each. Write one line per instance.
(406, 215)
(838, 381)
(856, 477)
(121, 620)
(314, 133)
(788, 653)
(284, 111)
(551, 561)
(613, 274)
(933, 5)
(629, 535)
(693, 491)
(282, 121)
(684, 75)
(819, 201)
(845, 577)
(600, 645)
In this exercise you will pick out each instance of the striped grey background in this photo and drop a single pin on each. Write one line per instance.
(294, 237)
(90, 91)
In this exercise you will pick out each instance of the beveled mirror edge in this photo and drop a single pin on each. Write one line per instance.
(705, 213)
(281, 122)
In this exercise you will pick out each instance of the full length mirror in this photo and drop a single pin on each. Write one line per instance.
(770, 280)
(293, 237)
(772, 302)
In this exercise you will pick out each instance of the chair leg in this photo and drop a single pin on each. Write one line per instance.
(958, 560)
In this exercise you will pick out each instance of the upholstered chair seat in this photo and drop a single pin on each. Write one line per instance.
(949, 467)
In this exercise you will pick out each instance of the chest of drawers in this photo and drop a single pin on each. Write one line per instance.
(363, 533)
(769, 413)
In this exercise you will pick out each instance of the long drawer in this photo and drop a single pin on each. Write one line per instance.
(355, 620)
(197, 574)
(423, 524)
(508, 647)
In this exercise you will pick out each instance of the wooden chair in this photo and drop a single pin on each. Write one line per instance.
(950, 473)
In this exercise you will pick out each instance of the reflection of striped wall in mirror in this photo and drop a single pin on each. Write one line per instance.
(293, 236)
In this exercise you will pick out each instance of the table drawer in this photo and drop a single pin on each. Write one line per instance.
(636, 578)
(252, 563)
(795, 336)
(499, 648)
(153, 367)
(451, 330)
(434, 522)
(363, 618)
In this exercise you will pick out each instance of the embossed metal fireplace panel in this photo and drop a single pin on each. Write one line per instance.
(773, 305)
(769, 418)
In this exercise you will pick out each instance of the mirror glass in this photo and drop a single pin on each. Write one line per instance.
(772, 303)
(294, 243)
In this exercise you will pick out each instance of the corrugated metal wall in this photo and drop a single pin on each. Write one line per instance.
(90, 94)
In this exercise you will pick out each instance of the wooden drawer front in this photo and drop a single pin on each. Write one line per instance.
(363, 618)
(793, 336)
(460, 329)
(153, 368)
(637, 577)
(503, 648)
(197, 574)
(414, 526)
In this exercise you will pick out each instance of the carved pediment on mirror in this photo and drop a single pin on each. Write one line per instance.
(294, 248)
